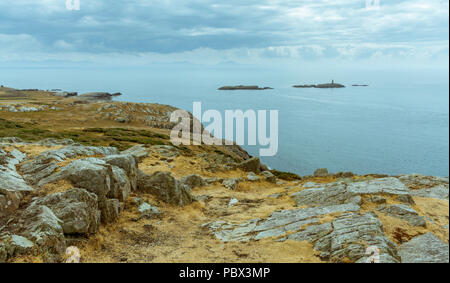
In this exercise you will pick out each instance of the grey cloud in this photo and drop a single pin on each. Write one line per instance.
(269, 28)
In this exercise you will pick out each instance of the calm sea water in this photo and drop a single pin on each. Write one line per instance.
(399, 124)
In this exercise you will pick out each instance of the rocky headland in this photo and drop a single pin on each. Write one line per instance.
(327, 85)
(244, 87)
(103, 177)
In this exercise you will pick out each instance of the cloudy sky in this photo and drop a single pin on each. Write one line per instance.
(224, 31)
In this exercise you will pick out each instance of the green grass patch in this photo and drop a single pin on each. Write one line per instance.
(287, 176)
(116, 137)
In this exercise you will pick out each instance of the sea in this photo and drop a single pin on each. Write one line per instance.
(399, 124)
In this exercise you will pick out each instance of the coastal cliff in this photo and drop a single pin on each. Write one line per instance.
(103, 177)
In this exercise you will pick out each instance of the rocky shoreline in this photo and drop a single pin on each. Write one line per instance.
(128, 195)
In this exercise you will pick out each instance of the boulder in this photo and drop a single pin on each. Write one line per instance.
(120, 184)
(128, 163)
(269, 177)
(252, 177)
(250, 165)
(12, 185)
(76, 208)
(192, 181)
(166, 187)
(148, 211)
(139, 152)
(41, 226)
(110, 210)
(90, 174)
(425, 248)
(14, 245)
(231, 184)
(167, 151)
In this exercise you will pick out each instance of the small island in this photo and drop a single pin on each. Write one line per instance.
(328, 85)
(244, 87)
(359, 85)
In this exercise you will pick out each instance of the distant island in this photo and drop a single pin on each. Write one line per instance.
(328, 85)
(244, 87)
(359, 85)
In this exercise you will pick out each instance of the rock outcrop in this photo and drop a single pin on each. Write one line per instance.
(425, 248)
(12, 184)
(76, 208)
(165, 187)
(347, 237)
(244, 87)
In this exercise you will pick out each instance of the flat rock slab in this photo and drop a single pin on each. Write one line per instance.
(425, 248)
(352, 235)
(390, 186)
(404, 212)
(439, 192)
(277, 225)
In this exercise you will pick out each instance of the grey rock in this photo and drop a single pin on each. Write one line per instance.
(148, 211)
(128, 163)
(405, 199)
(352, 234)
(331, 194)
(269, 177)
(11, 140)
(55, 142)
(252, 177)
(213, 180)
(417, 181)
(40, 225)
(390, 186)
(250, 165)
(34, 171)
(72, 151)
(312, 233)
(439, 192)
(277, 225)
(232, 184)
(192, 181)
(110, 210)
(232, 202)
(20, 245)
(403, 212)
(377, 199)
(167, 151)
(166, 187)
(76, 208)
(139, 152)
(308, 185)
(12, 185)
(90, 174)
(120, 185)
(425, 248)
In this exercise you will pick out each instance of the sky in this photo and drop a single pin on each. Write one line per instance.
(213, 32)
